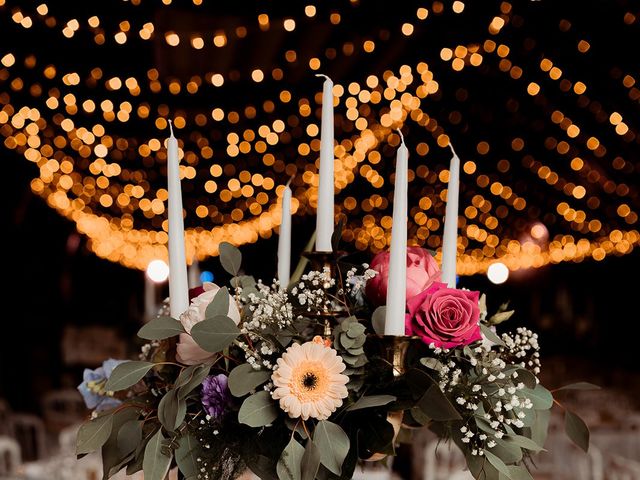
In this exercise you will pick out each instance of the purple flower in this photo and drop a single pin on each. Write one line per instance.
(92, 386)
(215, 395)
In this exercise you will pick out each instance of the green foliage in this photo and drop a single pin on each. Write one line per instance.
(333, 444)
(189, 379)
(435, 404)
(230, 258)
(94, 433)
(245, 379)
(576, 430)
(160, 328)
(186, 455)
(378, 319)
(491, 335)
(215, 334)
(371, 401)
(156, 461)
(219, 305)
(348, 339)
(310, 461)
(289, 464)
(258, 410)
(127, 374)
(172, 410)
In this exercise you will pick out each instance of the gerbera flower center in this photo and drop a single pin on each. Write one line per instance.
(310, 381)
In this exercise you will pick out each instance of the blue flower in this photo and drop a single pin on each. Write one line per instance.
(92, 386)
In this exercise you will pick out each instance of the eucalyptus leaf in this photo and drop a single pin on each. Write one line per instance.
(310, 461)
(258, 410)
(508, 452)
(333, 444)
(432, 363)
(93, 434)
(501, 317)
(540, 397)
(190, 378)
(160, 328)
(215, 334)
(528, 378)
(576, 430)
(187, 454)
(371, 401)
(491, 335)
(437, 406)
(523, 442)
(126, 375)
(579, 386)
(498, 463)
(244, 379)
(129, 436)
(540, 427)
(219, 305)
(171, 410)
(355, 330)
(346, 341)
(378, 319)
(289, 464)
(113, 458)
(156, 463)
(230, 258)
(517, 472)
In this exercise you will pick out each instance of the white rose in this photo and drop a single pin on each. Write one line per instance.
(188, 351)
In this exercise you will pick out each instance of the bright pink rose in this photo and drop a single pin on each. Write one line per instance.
(444, 316)
(422, 270)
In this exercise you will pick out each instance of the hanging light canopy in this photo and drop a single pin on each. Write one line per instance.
(546, 141)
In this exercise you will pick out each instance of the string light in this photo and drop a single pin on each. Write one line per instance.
(110, 187)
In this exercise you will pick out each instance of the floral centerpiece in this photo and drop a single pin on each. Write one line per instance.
(299, 382)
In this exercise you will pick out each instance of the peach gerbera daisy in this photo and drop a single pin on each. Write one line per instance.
(309, 381)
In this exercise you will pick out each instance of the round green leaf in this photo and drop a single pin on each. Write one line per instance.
(244, 379)
(258, 410)
(215, 334)
(230, 258)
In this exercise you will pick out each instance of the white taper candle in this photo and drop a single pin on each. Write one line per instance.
(284, 240)
(397, 282)
(450, 235)
(326, 182)
(178, 285)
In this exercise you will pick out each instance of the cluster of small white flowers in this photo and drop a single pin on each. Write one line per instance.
(311, 290)
(355, 284)
(508, 400)
(523, 345)
(270, 308)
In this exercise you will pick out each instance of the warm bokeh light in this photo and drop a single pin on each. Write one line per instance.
(158, 271)
(497, 273)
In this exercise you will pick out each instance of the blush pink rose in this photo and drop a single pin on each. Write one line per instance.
(422, 270)
(187, 350)
(444, 316)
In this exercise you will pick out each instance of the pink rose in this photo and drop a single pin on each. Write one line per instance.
(422, 270)
(444, 316)
(188, 351)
